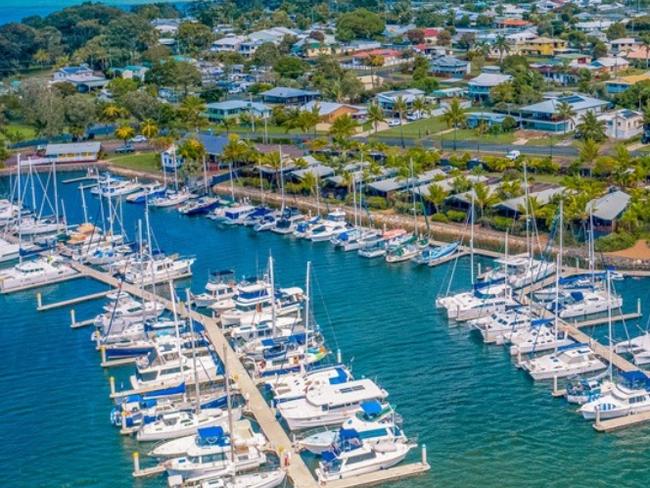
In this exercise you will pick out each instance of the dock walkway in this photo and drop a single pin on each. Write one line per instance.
(280, 442)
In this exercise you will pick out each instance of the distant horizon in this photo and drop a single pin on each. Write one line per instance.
(16, 10)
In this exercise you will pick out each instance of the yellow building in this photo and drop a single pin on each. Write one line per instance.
(543, 46)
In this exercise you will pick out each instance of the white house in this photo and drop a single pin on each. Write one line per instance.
(622, 124)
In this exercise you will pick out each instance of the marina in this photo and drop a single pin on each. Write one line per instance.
(299, 469)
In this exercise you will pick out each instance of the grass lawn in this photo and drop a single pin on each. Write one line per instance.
(471, 135)
(547, 140)
(23, 131)
(147, 161)
(418, 128)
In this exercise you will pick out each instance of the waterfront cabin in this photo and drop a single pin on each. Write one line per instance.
(389, 186)
(74, 152)
(607, 209)
(543, 194)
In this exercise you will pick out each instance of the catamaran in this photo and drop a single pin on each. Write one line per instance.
(328, 404)
(332, 225)
(638, 347)
(287, 222)
(256, 299)
(539, 336)
(567, 361)
(586, 302)
(520, 270)
(8, 251)
(486, 298)
(495, 326)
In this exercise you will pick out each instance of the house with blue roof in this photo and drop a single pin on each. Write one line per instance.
(289, 96)
(232, 109)
(479, 87)
(388, 99)
(545, 115)
(131, 72)
(450, 67)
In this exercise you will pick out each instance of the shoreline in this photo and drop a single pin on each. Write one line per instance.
(484, 239)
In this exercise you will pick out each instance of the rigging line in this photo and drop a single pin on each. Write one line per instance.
(314, 277)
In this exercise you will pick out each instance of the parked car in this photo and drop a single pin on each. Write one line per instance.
(414, 116)
(394, 122)
(138, 138)
(512, 155)
(125, 149)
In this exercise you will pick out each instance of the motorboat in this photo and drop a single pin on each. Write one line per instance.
(576, 282)
(333, 224)
(242, 435)
(159, 268)
(302, 228)
(220, 287)
(287, 223)
(374, 423)
(365, 459)
(199, 206)
(629, 396)
(147, 192)
(171, 198)
(264, 479)
(183, 423)
(8, 251)
(255, 299)
(296, 385)
(567, 361)
(329, 404)
(432, 256)
(43, 270)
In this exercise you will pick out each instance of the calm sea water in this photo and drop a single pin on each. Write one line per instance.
(15, 10)
(484, 422)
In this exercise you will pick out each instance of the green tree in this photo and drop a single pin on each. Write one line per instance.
(194, 37)
(124, 133)
(359, 24)
(436, 194)
(400, 107)
(342, 129)
(565, 112)
(375, 115)
(591, 128)
(502, 46)
(454, 117)
(192, 111)
(192, 151)
(80, 113)
(290, 67)
(149, 129)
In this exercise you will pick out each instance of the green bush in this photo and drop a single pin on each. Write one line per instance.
(439, 217)
(456, 215)
(377, 203)
(615, 242)
(501, 223)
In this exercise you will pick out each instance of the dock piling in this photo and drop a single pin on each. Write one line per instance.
(102, 351)
(73, 318)
(554, 385)
(136, 462)
(597, 416)
(338, 356)
(39, 300)
(424, 454)
(111, 381)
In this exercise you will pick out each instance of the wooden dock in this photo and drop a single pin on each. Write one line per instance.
(65, 303)
(278, 439)
(451, 257)
(604, 320)
(382, 476)
(622, 422)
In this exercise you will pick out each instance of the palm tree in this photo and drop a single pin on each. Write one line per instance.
(112, 112)
(484, 197)
(564, 112)
(149, 129)
(374, 61)
(191, 110)
(124, 132)
(236, 150)
(645, 43)
(436, 195)
(502, 46)
(375, 115)
(420, 104)
(292, 120)
(400, 107)
(454, 117)
(192, 151)
(591, 128)
(310, 183)
(273, 160)
(589, 150)
(343, 128)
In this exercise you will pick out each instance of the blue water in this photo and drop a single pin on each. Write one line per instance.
(16, 10)
(484, 422)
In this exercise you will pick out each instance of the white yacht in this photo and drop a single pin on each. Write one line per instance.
(159, 269)
(8, 251)
(255, 300)
(568, 361)
(329, 404)
(331, 226)
(183, 423)
(494, 327)
(219, 287)
(147, 192)
(539, 336)
(171, 198)
(287, 223)
(483, 300)
(232, 215)
(40, 271)
(638, 347)
(242, 435)
(522, 270)
(373, 424)
(585, 302)
(296, 385)
(214, 455)
(32, 225)
(157, 375)
(365, 459)
(628, 397)
(264, 479)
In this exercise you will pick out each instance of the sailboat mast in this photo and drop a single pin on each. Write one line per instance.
(281, 178)
(307, 303)
(592, 249)
(415, 214)
(273, 310)
(83, 203)
(197, 388)
(205, 174)
(471, 240)
(175, 171)
(172, 297)
(609, 325)
(56, 193)
(20, 210)
(354, 201)
(556, 321)
(226, 375)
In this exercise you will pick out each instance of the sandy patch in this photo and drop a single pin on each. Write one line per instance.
(640, 250)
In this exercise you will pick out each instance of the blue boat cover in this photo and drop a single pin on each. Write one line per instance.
(539, 322)
(577, 296)
(328, 456)
(210, 434)
(347, 434)
(635, 376)
(371, 407)
(341, 377)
